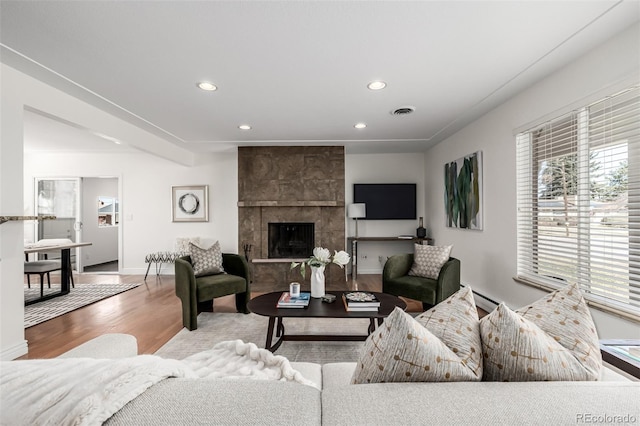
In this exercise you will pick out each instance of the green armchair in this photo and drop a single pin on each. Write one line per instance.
(197, 293)
(428, 291)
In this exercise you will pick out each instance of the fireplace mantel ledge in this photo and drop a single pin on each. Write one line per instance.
(279, 260)
(291, 203)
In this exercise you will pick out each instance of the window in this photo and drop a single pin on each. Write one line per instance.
(108, 214)
(578, 180)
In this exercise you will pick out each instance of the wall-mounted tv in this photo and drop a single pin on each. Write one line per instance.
(385, 201)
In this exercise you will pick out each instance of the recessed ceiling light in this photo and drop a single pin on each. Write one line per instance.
(377, 85)
(360, 126)
(244, 127)
(205, 85)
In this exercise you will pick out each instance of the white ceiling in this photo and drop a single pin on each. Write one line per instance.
(297, 71)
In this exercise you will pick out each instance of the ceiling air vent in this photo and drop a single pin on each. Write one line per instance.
(403, 110)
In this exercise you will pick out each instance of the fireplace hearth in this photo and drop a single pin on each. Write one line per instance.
(289, 240)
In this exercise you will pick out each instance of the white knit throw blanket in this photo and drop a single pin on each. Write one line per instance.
(236, 359)
(84, 391)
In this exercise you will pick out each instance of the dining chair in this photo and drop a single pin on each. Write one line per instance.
(45, 266)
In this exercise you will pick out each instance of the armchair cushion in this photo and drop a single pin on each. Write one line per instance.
(428, 260)
(206, 261)
(212, 286)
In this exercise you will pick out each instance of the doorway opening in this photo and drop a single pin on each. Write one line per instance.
(87, 209)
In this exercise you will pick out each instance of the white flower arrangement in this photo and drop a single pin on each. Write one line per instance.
(322, 257)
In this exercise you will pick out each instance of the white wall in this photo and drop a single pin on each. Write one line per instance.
(20, 91)
(146, 198)
(104, 239)
(383, 168)
(12, 342)
(488, 257)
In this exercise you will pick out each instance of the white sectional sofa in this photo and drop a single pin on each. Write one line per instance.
(178, 401)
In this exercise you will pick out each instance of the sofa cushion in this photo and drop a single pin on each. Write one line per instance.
(455, 322)
(310, 371)
(110, 345)
(402, 350)
(479, 403)
(554, 338)
(336, 374)
(428, 260)
(223, 402)
(206, 261)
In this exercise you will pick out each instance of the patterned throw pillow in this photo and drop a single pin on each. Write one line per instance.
(206, 261)
(554, 338)
(428, 260)
(441, 346)
(455, 321)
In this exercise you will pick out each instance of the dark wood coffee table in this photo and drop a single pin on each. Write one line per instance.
(265, 305)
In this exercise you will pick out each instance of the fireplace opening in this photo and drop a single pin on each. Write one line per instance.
(290, 240)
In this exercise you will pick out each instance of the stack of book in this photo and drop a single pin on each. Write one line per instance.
(286, 301)
(360, 301)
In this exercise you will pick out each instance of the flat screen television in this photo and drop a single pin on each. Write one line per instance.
(386, 201)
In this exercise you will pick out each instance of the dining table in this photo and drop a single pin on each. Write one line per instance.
(65, 258)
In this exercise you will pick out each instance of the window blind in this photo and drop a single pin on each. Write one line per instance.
(578, 186)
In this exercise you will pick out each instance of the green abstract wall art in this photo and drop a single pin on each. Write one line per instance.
(463, 192)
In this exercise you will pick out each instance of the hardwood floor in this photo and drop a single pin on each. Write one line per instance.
(151, 312)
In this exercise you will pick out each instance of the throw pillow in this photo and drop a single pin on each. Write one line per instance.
(182, 244)
(428, 260)
(554, 338)
(403, 350)
(206, 261)
(455, 322)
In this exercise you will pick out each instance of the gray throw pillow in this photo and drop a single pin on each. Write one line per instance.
(206, 261)
(428, 260)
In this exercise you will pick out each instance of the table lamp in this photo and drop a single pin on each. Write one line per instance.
(357, 211)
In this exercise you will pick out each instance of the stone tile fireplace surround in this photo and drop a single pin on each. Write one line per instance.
(290, 184)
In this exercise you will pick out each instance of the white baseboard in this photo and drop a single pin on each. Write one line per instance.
(14, 351)
(484, 303)
(167, 270)
(369, 271)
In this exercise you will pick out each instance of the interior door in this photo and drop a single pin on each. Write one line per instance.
(60, 197)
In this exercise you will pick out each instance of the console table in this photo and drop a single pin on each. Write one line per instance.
(352, 242)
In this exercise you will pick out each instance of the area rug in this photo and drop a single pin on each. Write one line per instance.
(218, 327)
(81, 295)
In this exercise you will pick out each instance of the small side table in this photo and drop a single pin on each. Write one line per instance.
(621, 354)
